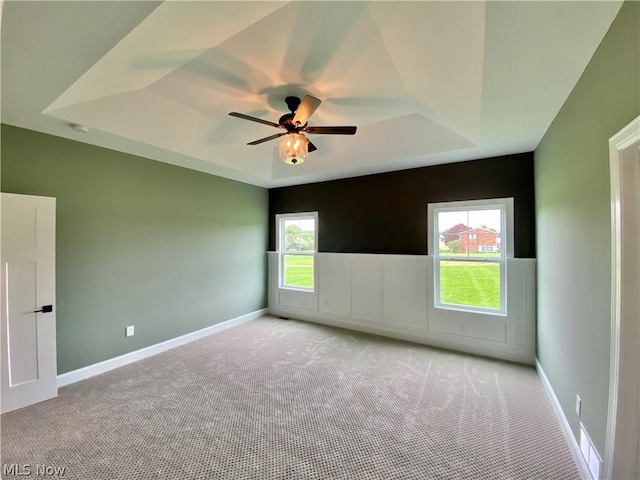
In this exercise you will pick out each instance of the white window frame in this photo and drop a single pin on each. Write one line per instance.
(280, 221)
(506, 248)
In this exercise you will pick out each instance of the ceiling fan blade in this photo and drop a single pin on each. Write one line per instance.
(332, 130)
(266, 139)
(311, 147)
(254, 119)
(305, 110)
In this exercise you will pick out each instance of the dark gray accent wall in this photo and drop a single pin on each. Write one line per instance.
(574, 225)
(139, 242)
(387, 212)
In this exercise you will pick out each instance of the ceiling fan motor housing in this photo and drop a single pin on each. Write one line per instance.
(287, 121)
(292, 103)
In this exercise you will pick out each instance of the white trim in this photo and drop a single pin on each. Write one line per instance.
(131, 357)
(381, 307)
(505, 205)
(583, 468)
(300, 216)
(281, 251)
(401, 333)
(618, 144)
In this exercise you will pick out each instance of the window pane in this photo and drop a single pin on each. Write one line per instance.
(472, 284)
(470, 233)
(298, 271)
(299, 235)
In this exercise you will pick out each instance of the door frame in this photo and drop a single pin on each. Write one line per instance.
(623, 419)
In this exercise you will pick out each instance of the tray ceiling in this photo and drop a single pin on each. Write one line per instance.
(425, 82)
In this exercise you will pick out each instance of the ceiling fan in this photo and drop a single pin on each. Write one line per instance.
(295, 146)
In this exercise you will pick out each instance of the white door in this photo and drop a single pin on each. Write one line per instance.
(29, 372)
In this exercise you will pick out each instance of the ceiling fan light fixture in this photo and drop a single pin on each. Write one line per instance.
(294, 148)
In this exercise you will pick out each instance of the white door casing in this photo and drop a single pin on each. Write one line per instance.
(622, 450)
(28, 342)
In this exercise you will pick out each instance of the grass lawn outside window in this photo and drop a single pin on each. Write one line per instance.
(298, 270)
(470, 283)
(461, 283)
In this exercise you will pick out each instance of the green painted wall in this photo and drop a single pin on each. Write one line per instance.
(139, 242)
(573, 225)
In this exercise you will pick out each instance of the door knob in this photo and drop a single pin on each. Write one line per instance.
(45, 309)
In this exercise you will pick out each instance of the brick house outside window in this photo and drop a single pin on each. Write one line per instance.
(479, 240)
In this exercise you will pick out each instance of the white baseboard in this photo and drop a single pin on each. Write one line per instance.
(107, 365)
(401, 333)
(583, 468)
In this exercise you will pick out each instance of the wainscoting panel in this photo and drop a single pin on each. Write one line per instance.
(366, 287)
(522, 281)
(298, 299)
(480, 327)
(334, 286)
(392, 295)
(405, 290)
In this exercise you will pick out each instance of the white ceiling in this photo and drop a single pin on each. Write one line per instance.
(425, 82)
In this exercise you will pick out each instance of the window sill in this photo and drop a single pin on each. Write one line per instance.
(453, 308)
(297, 289)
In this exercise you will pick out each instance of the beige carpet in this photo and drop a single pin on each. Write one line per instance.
(277, 399)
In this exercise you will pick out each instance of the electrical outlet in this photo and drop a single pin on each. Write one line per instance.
(578, 406)
(129, 332)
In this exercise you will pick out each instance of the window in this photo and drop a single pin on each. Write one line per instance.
(470, 244)
(297, 244)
